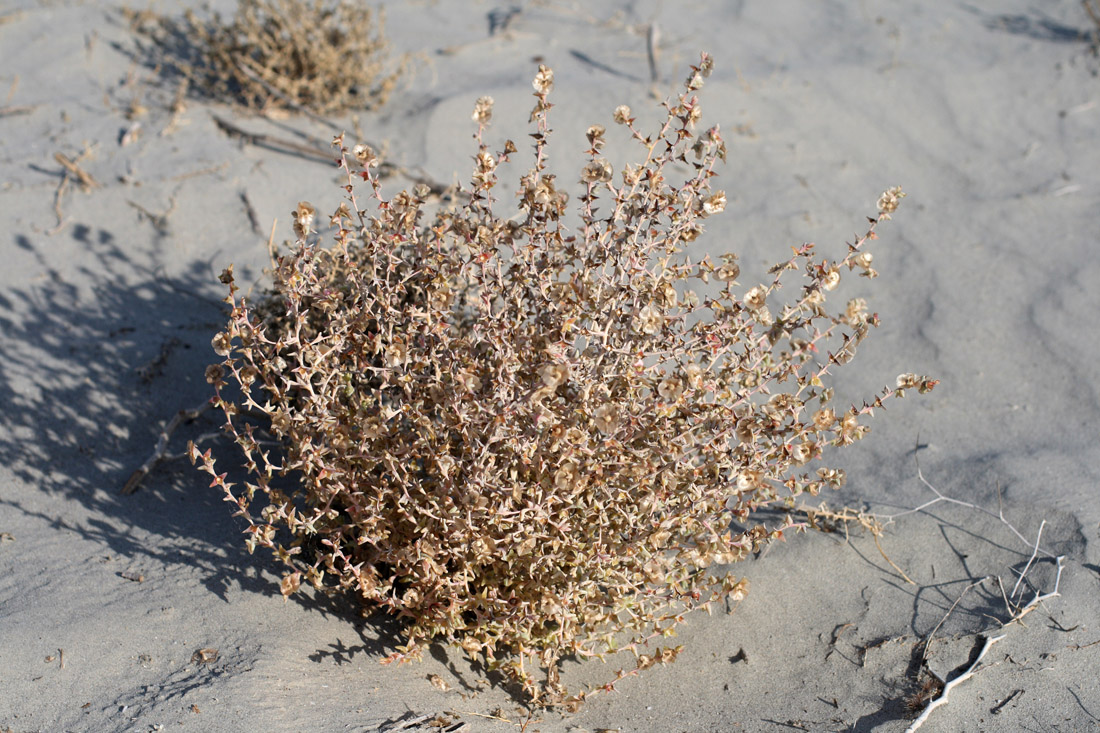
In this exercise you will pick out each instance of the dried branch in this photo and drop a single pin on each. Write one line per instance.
(951, 684)
(1094, 12)
(87, 182)
(134, 482)
(940, 497)
(989, 642)
(14, 110)
(928, 639)
(270, 142)
(652, 38)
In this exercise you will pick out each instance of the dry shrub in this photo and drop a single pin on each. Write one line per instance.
(323, 55)
(535, 441)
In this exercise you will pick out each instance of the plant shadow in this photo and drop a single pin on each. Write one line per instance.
(1037, 26)
(100, 352)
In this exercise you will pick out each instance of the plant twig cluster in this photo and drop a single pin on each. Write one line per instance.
(534, 440)
(824, 519)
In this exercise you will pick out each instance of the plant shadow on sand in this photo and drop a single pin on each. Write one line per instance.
(98, 357)
(95, 365)
(1040, 27)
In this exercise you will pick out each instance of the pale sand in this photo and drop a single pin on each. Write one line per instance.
(989, 281)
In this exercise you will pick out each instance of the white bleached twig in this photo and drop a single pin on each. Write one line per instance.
(1040, 597)
(952, 684)
(941, 497)
(1031, 559)
(932, 633)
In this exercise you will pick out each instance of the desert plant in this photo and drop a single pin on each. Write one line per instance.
(321, 55)
(532, 440)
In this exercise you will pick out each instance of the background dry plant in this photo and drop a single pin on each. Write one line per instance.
(324, 56)
(1092, 7)
(532, 440)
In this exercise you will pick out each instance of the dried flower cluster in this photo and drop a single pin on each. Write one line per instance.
(530, 440)
(323, 55)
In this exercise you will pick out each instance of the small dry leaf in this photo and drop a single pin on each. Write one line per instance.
(438, 682)
(290, 584)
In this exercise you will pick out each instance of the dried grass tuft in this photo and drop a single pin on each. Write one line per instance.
(325, 56)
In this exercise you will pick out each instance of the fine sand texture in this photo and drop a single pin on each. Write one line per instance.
(120, 202)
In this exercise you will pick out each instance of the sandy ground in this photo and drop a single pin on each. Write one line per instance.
(986, 113)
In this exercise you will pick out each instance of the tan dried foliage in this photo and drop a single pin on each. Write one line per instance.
(532, 440)
(326, 56)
